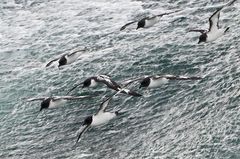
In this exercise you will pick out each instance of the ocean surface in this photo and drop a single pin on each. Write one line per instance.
(179, 120)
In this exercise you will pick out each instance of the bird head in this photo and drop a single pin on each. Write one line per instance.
(87, 121)
(145, 82)
(141, 24)
(202, 38)
(62, 61)
(87, 83)
(45, 104)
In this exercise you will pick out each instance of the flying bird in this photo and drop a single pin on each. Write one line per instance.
(104, 79)
(214, 31)
(147, 21)
(55, 101)
(158, 80)
(100, 118)
(66, 59)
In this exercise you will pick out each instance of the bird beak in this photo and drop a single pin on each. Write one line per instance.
(199, 42)
(140, 86)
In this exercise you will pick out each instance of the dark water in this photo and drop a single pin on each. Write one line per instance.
(183, 119)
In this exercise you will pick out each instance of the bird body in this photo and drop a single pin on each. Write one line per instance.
(104, 79)
(66, 59)
(55, 101)
(156, 82)
(147, 22)
(214, 31)
(215, 35)
(100, 118)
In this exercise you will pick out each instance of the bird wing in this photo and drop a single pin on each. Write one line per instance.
(112, 84)
(124, 27)
(160, 15)
(70, 97)
(72, 53)
(34, 99)
(130, 81)
(104, 104)
(82, 130)
(74, 88)
(129, 92)
(108, 82)
(198, 30)
(104, 76)
(49, 63)
(172, 77)
(214, 19)
(159, 76)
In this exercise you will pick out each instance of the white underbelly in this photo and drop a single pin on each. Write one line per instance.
(157, 82)
(215, 35)
(151, 22)
(93, 83)
(72, 58)
(54, 104)
(102, 118)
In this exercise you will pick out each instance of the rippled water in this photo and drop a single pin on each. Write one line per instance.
(183, 119)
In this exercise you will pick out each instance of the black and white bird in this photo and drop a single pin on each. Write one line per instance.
(147, 21)
(104, 79)
(158, 80)
(100, 118)
(55, 101)
(214, 31)
(67, 58)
